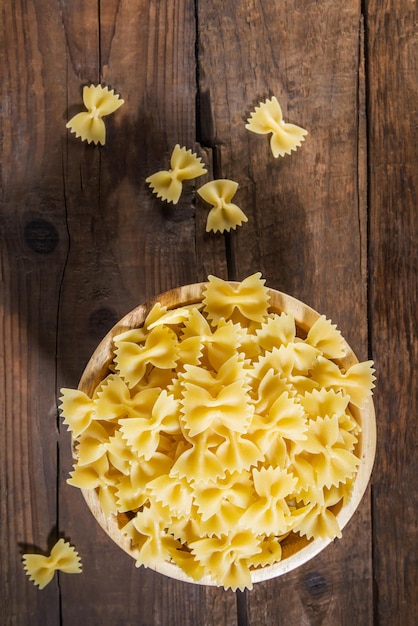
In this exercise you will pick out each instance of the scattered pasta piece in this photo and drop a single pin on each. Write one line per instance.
(224, 215)
(268, 118)
(41, 569)
(185, 165)
(88, 125)
(222, 430)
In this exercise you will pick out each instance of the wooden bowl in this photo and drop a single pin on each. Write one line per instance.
(296, 550)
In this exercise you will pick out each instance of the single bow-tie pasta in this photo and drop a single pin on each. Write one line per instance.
(132, 358)
(325, 336)
(268, 118)
(41, 569)
(270, 513)
(356, 381)
(203, 410)
(249, 298)
(78, 409)
(184, 165)
(88, 125)
(224, 215)
(226, 558)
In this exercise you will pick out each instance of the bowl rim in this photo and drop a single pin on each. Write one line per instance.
(305, 316)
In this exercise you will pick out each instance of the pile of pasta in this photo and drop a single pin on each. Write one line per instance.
(219, 431)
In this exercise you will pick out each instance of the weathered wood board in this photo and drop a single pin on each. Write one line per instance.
(83, 241)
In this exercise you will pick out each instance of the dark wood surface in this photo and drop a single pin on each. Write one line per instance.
(83, 241)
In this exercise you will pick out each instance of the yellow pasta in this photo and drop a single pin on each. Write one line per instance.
(158, 350)
(224, 215)
(91, 475)
(225, 558)
(277, 330)
(88, 125)
(268, 118)
(119, 455)
(174, 317)
(184, 165)
(214, 345)
(270, 553)
(286, 418)
(248, 300)
(355, 382)
(332, 463)
(143, 433)
(202, 410)
(199, 461)
(221, 429)
(324, 402)
(270, 513)
(325, 336)
(238, 452)
(78, 409)
(176, 492)
(236, 489)
(41, 569)
(132, 488)
(319, 522)
(155, 544)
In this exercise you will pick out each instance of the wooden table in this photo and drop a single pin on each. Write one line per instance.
(83, 241)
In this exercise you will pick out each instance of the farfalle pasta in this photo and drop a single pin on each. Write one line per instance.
(41, 569)
(223, 215)
(245, 302)
(184, 165)
(221, 430)
(268, 118)
(88, 125)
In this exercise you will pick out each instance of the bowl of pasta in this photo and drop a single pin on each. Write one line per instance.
(223, 433)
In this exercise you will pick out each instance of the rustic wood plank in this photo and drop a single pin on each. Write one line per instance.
(33, 248)
(126, 246)
(393, 180)
(83, 241)
(61, 263)
(300, 205)
(307, 223)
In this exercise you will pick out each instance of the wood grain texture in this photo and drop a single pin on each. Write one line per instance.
(307, 220)
(393, 178)
(32, 258)
(306, 229)
(83, 241)
(135, 247)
